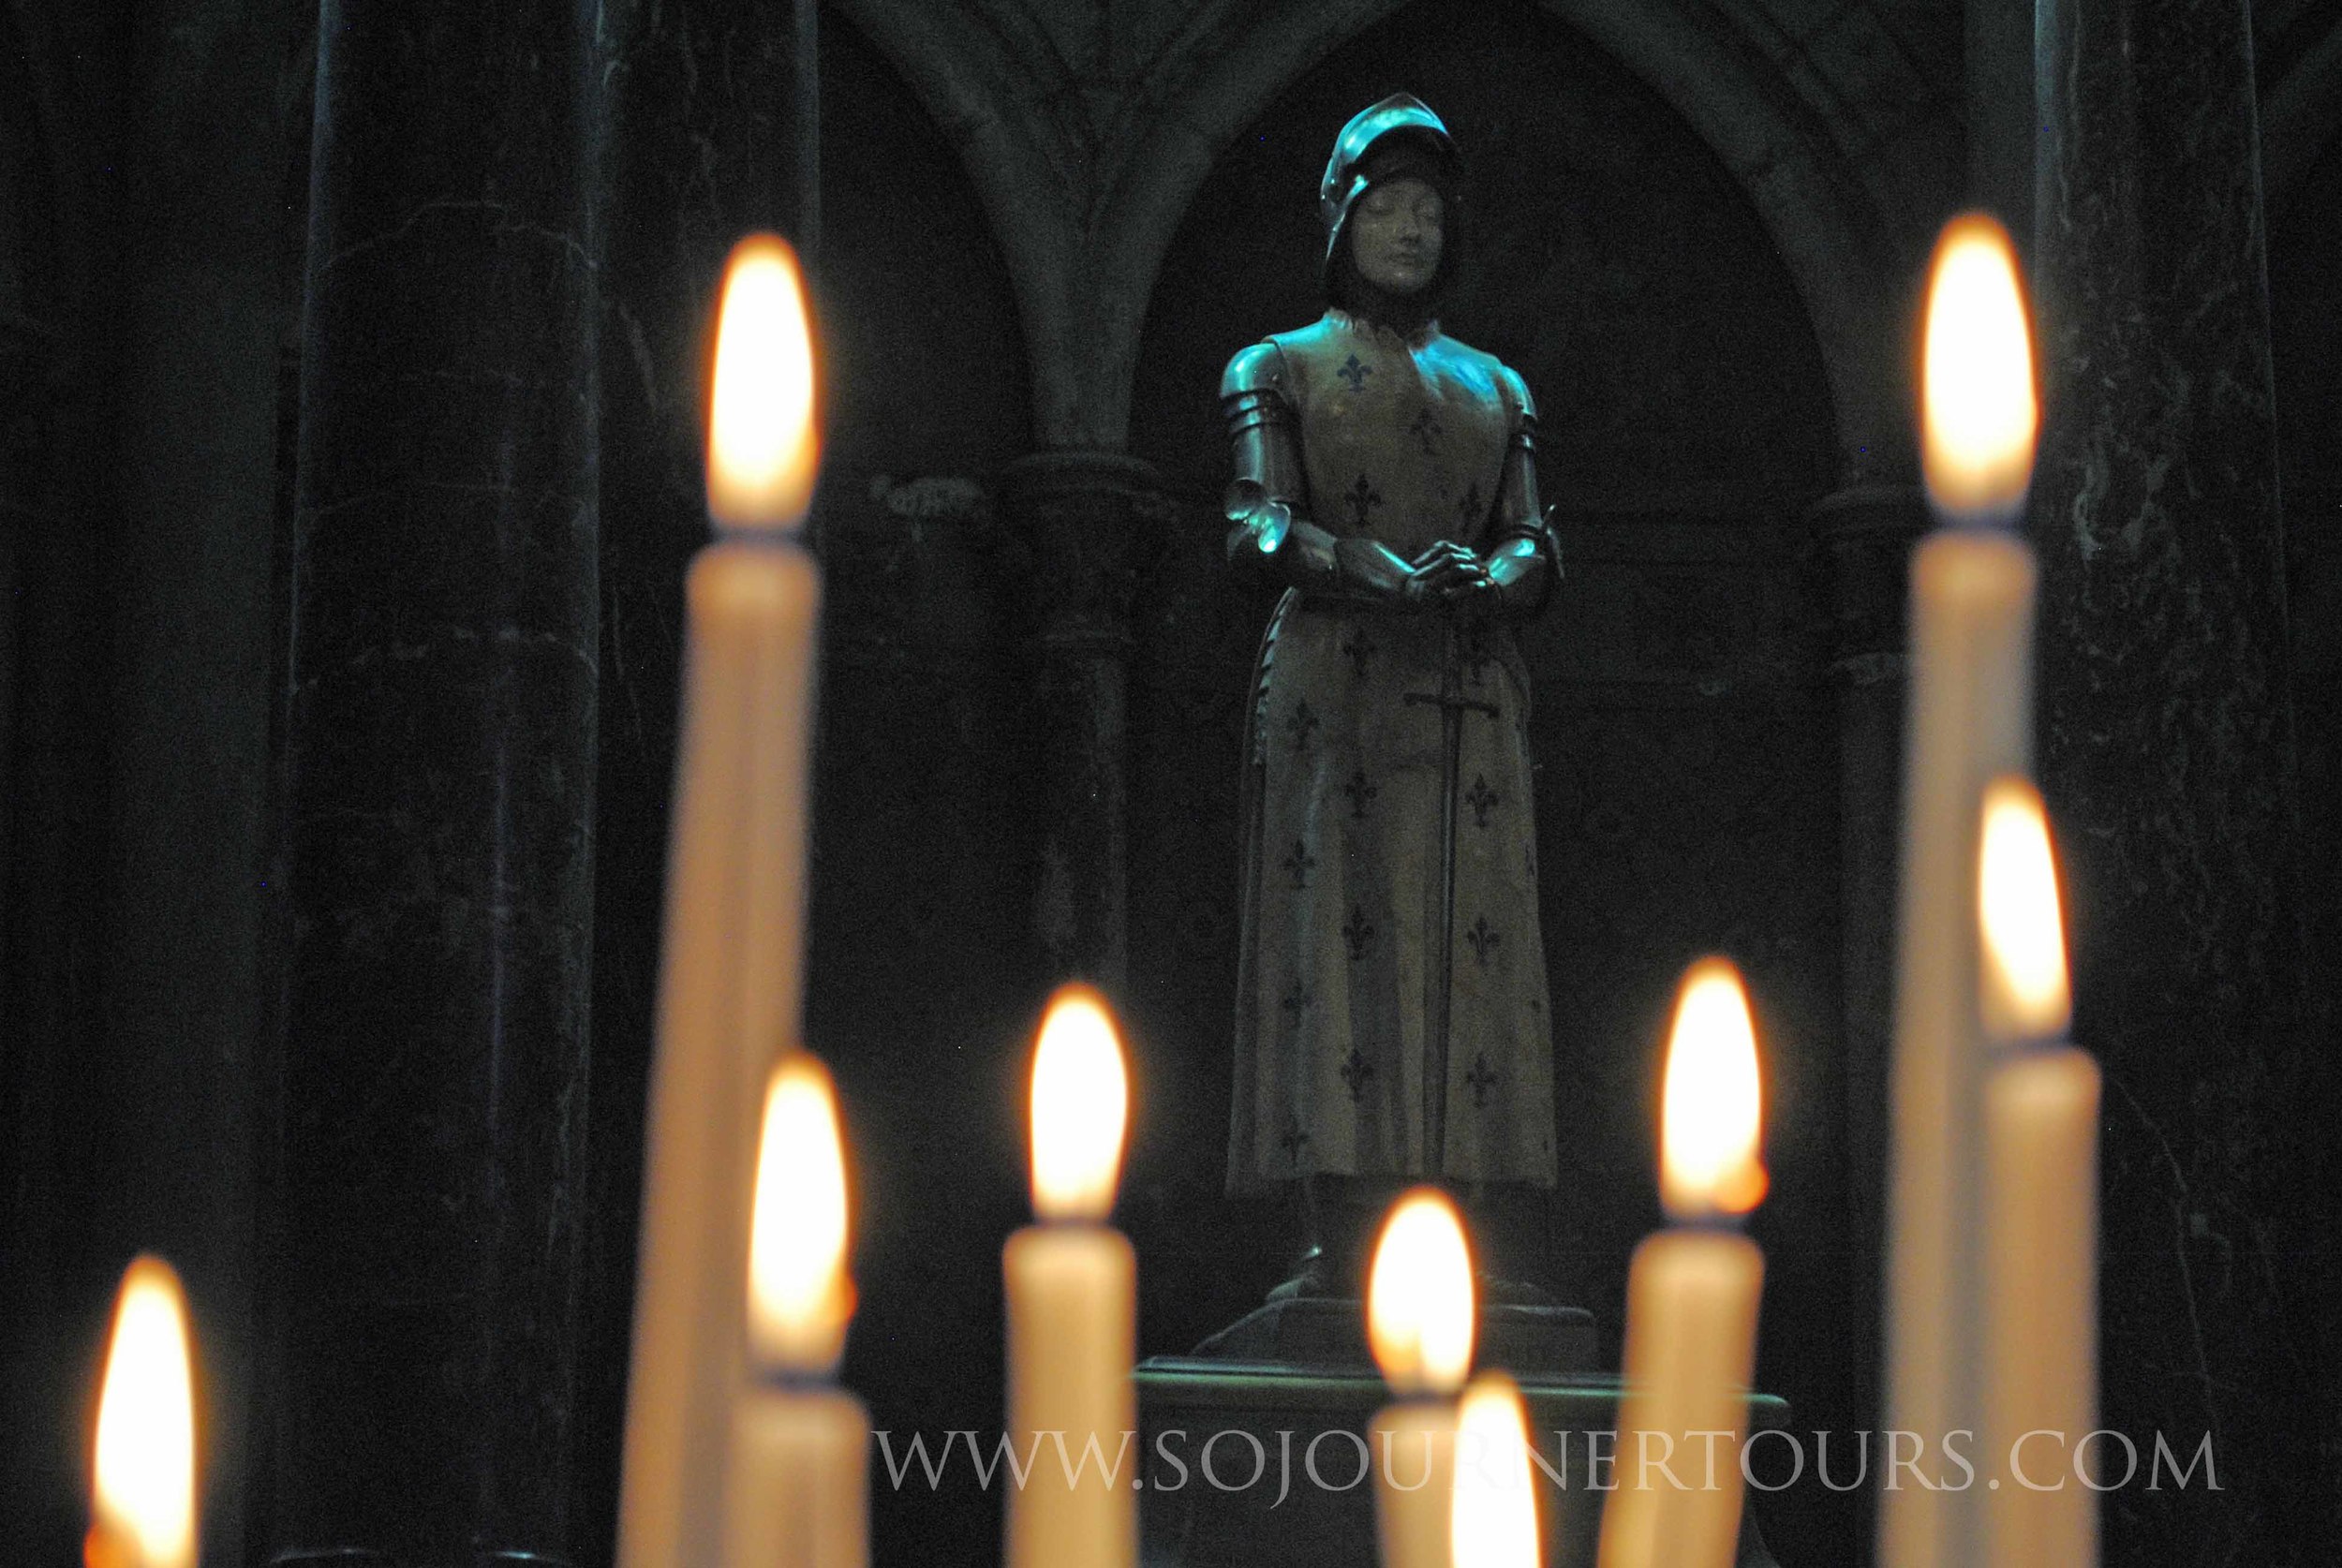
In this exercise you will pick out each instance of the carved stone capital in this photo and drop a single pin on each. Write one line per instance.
(1869, 531)
(1089, 518)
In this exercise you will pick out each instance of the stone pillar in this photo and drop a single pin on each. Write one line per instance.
(51, 787)
(710, 111)
(1868, 530)
(195, 641)
(1086, 516)
(2167, 760)
(439, 792)
(27, 516)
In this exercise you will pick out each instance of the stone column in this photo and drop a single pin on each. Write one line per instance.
(439, 792)
(1868, 529)
(27, 516)
(52, 784)
(1086, 516)
(195, 639)
(2167, 760)
(710, 108)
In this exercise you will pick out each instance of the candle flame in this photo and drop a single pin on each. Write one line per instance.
(145, 1462)
(1979, 413)
(2025, 991)
(1711, 1102)
(762, 450)
(1492, 1522)
(1419, 1298)
(799, 1294)
(1080, 1104)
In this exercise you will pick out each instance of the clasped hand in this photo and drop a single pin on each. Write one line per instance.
(1446, 573)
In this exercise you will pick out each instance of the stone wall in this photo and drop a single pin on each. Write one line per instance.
(1042, 225)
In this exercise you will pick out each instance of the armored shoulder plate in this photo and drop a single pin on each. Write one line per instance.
(1524, 408)
(1265, 494)
(1252, 392)
(1260, 367)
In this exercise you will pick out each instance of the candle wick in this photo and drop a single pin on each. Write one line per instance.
(761, 537)
(1987, 518)
(1420, 1399)
(1715, 1220)
(792, 1380)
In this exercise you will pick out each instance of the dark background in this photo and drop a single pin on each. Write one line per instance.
(1038, 228)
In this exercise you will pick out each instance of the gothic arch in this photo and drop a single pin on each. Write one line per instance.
(1800, 183)
(973, 67)
(1085, 262)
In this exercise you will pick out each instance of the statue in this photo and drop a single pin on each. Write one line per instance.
(1391, 1022)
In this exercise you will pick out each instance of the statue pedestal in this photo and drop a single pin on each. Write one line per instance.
(1323, 1332)
(1254, 1445)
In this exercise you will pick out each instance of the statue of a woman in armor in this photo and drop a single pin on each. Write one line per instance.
(1391, 1022)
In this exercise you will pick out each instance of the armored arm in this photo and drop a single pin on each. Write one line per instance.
(1268, 533)
(1523, 557)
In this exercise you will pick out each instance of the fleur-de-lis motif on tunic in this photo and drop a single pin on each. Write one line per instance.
(1357, 1074)
(1471, 507)
(1482, 800)
(1361, 790)
(1300, 863)
(1482, 1078)
(1359, 650)
(1303, 725)
(1424, 429)
(1362, 499)
(1292, 1138)
(1355, 373)
(1295, 1000)
(1357, 931)
(1485, 939)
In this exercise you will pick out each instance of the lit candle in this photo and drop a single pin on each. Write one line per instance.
(2040, 1204)
(1970, 719)
(730, 993)
(764, 445)
(1493, 1519)
(797, 1487)
(1691, 1297)
(1072, 1285)
(143, 1513)
(1419, 1314)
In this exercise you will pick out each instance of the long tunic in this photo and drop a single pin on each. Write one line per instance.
(1347, 775)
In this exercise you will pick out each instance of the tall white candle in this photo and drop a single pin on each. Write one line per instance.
(1692, 1293)
(142, 1510)
(1493, 1518)
(1970, 719)
(729, 994)
(1420, 1322)
(1072, 1287)
(2041, 1205)
(797, 1484)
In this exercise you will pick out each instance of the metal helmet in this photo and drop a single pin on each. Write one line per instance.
(1400, 114)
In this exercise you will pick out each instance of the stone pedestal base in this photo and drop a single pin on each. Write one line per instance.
(1323, 1334)
(1254, 1464)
